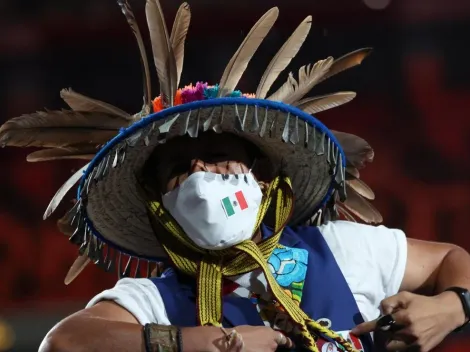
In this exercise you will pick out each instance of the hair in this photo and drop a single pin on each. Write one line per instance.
(152, 177)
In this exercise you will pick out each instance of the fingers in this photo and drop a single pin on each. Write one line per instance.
(283, 340)
(398, 301)
(364, 328)
(397, 345)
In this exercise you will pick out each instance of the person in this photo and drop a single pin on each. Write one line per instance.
(201, 192)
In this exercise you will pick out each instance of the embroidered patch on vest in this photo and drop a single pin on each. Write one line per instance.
(329, 346)
(289, 268)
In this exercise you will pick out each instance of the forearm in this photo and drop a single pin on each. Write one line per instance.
(89, 334)
(81, 334)
(453, 271)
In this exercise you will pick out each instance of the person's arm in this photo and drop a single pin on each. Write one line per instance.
(423, 312)
(433, 267)
(108, 327)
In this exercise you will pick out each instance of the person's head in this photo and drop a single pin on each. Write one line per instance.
(227, 154)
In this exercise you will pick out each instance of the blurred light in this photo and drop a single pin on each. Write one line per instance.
(377, 4)
(7, 336)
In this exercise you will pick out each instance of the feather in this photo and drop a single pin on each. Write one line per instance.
(343, 211)
(283, 57)
(239, 61)
(351, 172)
(63, 191)
(356, 149)
(60, 154)
(77, 267)
(127, 11)
(292, 91)
(361, 188)
(82, 103)
(347, 61)
(361, 207)
(163, 55)
(324, 102)
(178, 37)
(64, 226)
(59, 129)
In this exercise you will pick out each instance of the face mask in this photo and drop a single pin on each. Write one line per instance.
(216, 211)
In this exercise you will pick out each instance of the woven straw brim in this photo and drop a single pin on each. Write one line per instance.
(110, 207)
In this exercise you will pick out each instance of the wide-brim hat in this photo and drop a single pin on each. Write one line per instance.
(109, 218)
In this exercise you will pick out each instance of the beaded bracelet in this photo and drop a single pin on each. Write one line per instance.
(162, 338)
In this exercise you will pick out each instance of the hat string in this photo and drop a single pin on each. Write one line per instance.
(211, 266)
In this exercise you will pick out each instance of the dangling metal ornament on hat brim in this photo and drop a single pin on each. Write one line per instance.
(79, 133)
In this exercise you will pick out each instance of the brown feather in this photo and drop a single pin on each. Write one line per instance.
(292, 91)
(82, 103)
(356, 149)
(352, 172)
(77, 267)
(283, 57)
(163, 55)
(343, 211)
(361, 188)
(238, 63)
(64, 226)
(129, 14)
(63, 190)
(178, 37)
(347, 61)
(361, 207)
(60, 154)
(59, 129)
(321, 103)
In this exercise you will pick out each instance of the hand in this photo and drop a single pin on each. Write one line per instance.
(244, 338)
(255, 339)
(421, 322)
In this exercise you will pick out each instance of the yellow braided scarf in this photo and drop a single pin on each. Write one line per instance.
(210, 266)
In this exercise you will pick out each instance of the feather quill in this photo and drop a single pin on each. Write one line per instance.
(361, 208)
(239, 61)
(324, 102)
(129, 14)
(163, 55)
(82, 103)
(55, 201)
(356, 149)
(178, 37)
(283, 57)
(347, 61)
(58, 129)
(77, 267)
(292, 91)
(61, 154)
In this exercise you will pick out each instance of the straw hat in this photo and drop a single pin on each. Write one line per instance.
(109, 220)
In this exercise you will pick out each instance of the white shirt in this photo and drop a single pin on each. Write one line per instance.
(372, 260)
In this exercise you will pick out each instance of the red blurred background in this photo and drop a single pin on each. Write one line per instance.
(413, 98)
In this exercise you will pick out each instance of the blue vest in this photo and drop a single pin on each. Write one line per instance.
(326, 294)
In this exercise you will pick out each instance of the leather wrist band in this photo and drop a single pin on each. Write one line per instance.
(162, 338)
(464, 296)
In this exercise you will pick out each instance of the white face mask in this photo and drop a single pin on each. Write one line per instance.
(216, 211)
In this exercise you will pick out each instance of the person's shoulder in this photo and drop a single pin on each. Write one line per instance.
(140, 297)
(349, 228)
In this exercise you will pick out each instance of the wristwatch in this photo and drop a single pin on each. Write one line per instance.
(464, 296)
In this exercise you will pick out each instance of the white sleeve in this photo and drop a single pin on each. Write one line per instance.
(370, 253)
(138, 296)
